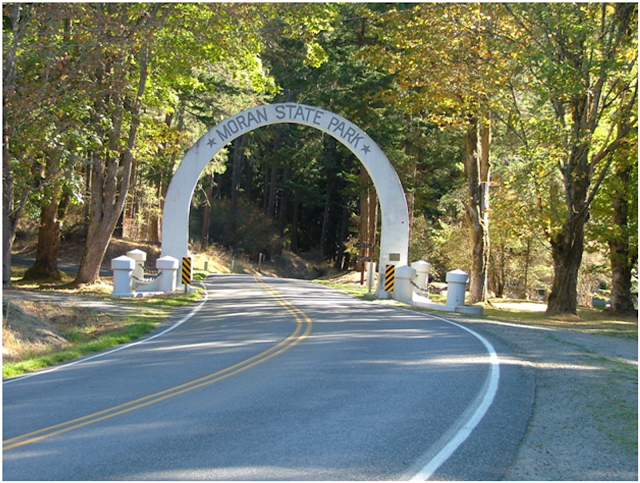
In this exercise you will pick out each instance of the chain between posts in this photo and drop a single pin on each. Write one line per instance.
(419, 287)
(146, 279)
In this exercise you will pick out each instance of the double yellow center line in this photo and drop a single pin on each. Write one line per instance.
(298, 334)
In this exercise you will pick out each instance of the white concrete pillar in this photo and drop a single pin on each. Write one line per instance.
(167, 271)
(138, 270)
(422, 275)
(403, 291)
(122, 281)
(371, 272)
(457, 280)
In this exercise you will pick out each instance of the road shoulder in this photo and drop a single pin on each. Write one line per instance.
(584, 422)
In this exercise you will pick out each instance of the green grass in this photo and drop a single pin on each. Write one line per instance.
(589, 320)
(165, 301)
(153, 310)
(353, 289)
(616, 411)
(199, 274)
(134, 330)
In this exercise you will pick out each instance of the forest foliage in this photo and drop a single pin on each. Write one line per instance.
(512, 127)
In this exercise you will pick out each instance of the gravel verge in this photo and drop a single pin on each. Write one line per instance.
(585, 416)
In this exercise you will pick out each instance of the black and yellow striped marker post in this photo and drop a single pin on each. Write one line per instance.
(186, 272)
(389, 277)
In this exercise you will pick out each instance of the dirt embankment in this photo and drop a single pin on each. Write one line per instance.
(25, 333)
(38, 323)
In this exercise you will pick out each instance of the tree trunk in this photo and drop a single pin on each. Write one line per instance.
(265, 190)
(365, 208)
(271, 179)
(248, 181)
(294, 224)
(346, 263)
(567, 243)
(10, 213)
(154, 235)
(10, 216)
(8, 221)
(284, 202)
(622, 260)
(373, 216)
(238, 154)
(325, 219)
(46, 264)
(218, 177)
(343, 236)
(368, 214)
(477, 206)
(96, 246)
(527, 265)
(567, 248)
(204, 241)
(497, 272)
(87, 194)
(273, 189)
(621, 272)
(8, 237)
(130, 229)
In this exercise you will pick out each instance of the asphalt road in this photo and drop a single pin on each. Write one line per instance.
(276, 380)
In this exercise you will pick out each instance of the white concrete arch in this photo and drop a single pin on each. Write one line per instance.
(394, 238)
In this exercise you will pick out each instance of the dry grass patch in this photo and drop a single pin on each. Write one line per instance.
(35, 328)
(25, 334)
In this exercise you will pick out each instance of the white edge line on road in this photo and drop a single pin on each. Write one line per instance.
(194, 311)
(463, 427)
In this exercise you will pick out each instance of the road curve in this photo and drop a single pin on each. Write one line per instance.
(275, 379)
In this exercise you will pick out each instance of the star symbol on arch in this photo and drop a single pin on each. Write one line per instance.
(366, 148)
(211, 142)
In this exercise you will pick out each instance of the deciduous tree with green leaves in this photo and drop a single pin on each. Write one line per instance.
(614, 223)
(575, 101)
(117, 62)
